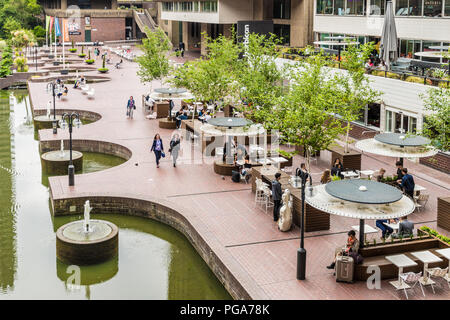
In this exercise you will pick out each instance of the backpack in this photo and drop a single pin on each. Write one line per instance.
(235, 176)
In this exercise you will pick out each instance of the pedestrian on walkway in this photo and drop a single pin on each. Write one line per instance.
(276, 196)
(130, 107)
(158, 148)
(175, 145)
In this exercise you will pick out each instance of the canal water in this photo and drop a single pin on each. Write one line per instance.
(154, 261)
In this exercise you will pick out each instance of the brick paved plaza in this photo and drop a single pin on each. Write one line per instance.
(257, 257)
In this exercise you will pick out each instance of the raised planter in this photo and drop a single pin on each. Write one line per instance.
(440, 161)
(165, 123)
(162, 109)
(64, 71)
(350, 160)
(443, 213)
(224, 169)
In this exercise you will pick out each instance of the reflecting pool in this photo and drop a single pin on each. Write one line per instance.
(154, 261)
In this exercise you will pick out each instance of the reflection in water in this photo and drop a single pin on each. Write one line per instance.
(154, 261)
(7, 208)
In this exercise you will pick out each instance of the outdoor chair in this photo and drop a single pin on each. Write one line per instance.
(421, 200)
(91, 93)
(151, 116)
(439, 273)
(288, 170)
(267, 195)
(245, 177)
(259, 194)
(412, 279)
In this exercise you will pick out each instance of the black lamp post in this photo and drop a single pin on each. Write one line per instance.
(301, 252)
(35, 57)
(72, 119)
(55, 122)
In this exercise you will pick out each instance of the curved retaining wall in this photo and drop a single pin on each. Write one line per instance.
(84, 114)
(164, 212)
(19, 77)
(104, 147)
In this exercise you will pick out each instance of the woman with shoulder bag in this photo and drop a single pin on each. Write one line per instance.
(158, 148)
(130, 107)
(175, 145)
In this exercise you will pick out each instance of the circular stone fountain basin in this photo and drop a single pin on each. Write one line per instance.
(44, 122)
(74, 246)
(53, 162)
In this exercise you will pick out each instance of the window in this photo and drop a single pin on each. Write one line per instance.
(282, 9)
(324, 7)
(447, 8)
(415, 7)
(377, 7)
(355, 7)
(167, 6)
(186, 6)
(388, 127)
(209, 6)
(401, 8)
(283, 31)
(339, 7)
(432, 8)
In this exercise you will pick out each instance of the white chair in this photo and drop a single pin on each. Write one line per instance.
(259, 194)
(439, 273)
(421, 200)
(288, 170)
(91, 93)
(151, 116)
(411, 279)
(267, 195)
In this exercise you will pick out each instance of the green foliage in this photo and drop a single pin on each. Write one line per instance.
(6, 62)
(17, 14)
(89, 61)
(302, 115)
(21, 64)
(437, 124)
(73, 50)
(260, 80)
(353, 87)
(335, 178)
(103, 70)
(435, 234)
(23, 38)
(214, 76)
(154, 63)
(39, 32)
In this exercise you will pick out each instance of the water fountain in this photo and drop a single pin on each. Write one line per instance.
(87, 241)
(45, 121)
(62, 153)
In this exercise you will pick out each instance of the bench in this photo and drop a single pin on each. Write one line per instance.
(418, 64)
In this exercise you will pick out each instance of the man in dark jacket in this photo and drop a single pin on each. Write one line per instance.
(407, 183)
(276, 196)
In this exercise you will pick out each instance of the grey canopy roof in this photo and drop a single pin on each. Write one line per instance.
(389, 40)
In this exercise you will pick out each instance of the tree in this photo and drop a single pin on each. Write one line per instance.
(302, 116)
(21, 13)
(437, 124)
(260, 79)
(213, 77)
(353, 87)
(6, 62)
(154, 63)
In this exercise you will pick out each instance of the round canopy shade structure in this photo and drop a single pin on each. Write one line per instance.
(250, 130)
(403, 140)
(323, 201)
(335, 43)
(229, 122)
(439, 47)
(338, 38)
(171, 94)
(396, 151)
(363, 191)
(430, 54)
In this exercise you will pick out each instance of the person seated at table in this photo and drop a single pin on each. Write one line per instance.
(407, 183)
(207, 116)
(405, 228)
(385, 230)
(62, 92)
(399, 170)
(302, 172)
(180, 115)
(66, 91)
(246, 168)
(352, 245)
(225, 147)
(380, 175)
(326, 177)
(241, 152)
(337, 168)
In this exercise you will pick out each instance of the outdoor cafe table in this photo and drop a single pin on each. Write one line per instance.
(367, 229)
(401, 261)
(278, 161)
(350, 174)
(393, 226)
(367, 173)
(426, 257)
(418, 189)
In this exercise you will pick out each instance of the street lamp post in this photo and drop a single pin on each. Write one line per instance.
(55, 122)
(35, 57)
(72, 119)
(301, 252)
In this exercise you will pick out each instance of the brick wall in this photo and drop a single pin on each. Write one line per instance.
(440, 162)
(360, 132)
(102, 29)
(19, 77)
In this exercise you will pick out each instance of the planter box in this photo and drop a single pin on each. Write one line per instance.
(443, 213)
(350, 160)
(301, 151)
(441, 162)
(165, 123)
(228, 111)
(162, 109)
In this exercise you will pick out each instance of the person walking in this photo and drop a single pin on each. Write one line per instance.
(276, 196)
(131, 105)
(175, 145)
(157, 148)
(407, 183)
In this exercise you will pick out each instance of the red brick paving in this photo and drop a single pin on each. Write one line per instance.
(259, 254)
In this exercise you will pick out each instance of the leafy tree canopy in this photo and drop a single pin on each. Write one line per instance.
(15, 14)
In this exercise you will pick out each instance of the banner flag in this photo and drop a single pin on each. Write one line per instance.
(65, 28)
(47, 23)
(51, 25)
(57, 28)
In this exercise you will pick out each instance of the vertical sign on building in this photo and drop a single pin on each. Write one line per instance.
(245, 28)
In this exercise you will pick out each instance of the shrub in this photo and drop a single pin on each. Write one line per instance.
(89, 61)
(435, 234)
(6, 62)
(73, 50)
(21, 64)
(103, 70)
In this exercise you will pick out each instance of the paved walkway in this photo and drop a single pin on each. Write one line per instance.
(258, 255)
